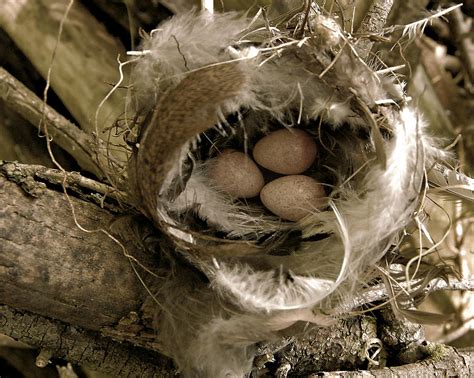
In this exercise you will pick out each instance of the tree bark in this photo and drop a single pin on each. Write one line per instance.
(118, 359)
(51, 267)
(448, 362)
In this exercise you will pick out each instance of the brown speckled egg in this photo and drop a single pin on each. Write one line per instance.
(235, 173)
(284, 151)
(293, 197)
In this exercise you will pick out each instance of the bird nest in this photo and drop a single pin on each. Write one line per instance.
(279, 163)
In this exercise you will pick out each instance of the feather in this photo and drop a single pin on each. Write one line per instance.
(185, 111)
(277, 86)
(452, 182)
(367, 226)
(269, 290)
(416, 28)
(220, 210)
(186, 42)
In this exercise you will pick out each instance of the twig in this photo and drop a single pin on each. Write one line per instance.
(68, 136)
(333, 62)
(457, 333)
(379, 293)
(373, 23)
(87, 53)
(460, 30)
(73, 180)
(207, 5)
(43, 125)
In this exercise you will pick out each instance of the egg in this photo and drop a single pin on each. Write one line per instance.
(284, 151)
(236, 174)
(293, 197)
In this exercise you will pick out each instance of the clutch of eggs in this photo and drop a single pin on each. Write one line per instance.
(287, 152)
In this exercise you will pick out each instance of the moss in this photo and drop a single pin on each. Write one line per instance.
(437, 352)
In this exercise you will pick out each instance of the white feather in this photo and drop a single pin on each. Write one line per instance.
(269, 290)
(219, 209)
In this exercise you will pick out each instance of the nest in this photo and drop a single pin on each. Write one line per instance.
(205, 83)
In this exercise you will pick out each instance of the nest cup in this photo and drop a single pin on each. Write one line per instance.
(210, 83)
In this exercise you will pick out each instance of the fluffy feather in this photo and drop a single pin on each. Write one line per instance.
(367, 223)
(184, 43)
(220, 210)
(269, 290)
(280, 79)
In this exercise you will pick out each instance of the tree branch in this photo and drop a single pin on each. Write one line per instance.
(117, 359)
(373, 23)
(80, 145)
(85, 63)
(461, 31)
(20, 173)
(445, 362)
(51, 267)
(378, 293)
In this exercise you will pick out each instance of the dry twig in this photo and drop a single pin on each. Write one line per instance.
(461, 31)
(68, 136)
(74, 180)
(373, 24)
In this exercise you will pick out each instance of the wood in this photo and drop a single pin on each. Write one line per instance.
(373, 23)
(50, 267)
(85, 66)
(84, 347)
(88, 152)
(448, 363)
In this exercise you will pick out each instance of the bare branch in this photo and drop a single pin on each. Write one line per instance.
(80, 145)
(18, 172)
(378, 293)
(116, 359)
(373, 23)
(85, 63)
(444, 362)
(461, 31)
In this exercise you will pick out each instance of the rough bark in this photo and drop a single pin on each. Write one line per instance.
(83, 347)
(373, 23)
(342, 346)
(51, 267)
(446, 362)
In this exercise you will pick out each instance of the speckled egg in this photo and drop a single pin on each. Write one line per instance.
(236, 174)
(293, 197)
(284, 151)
